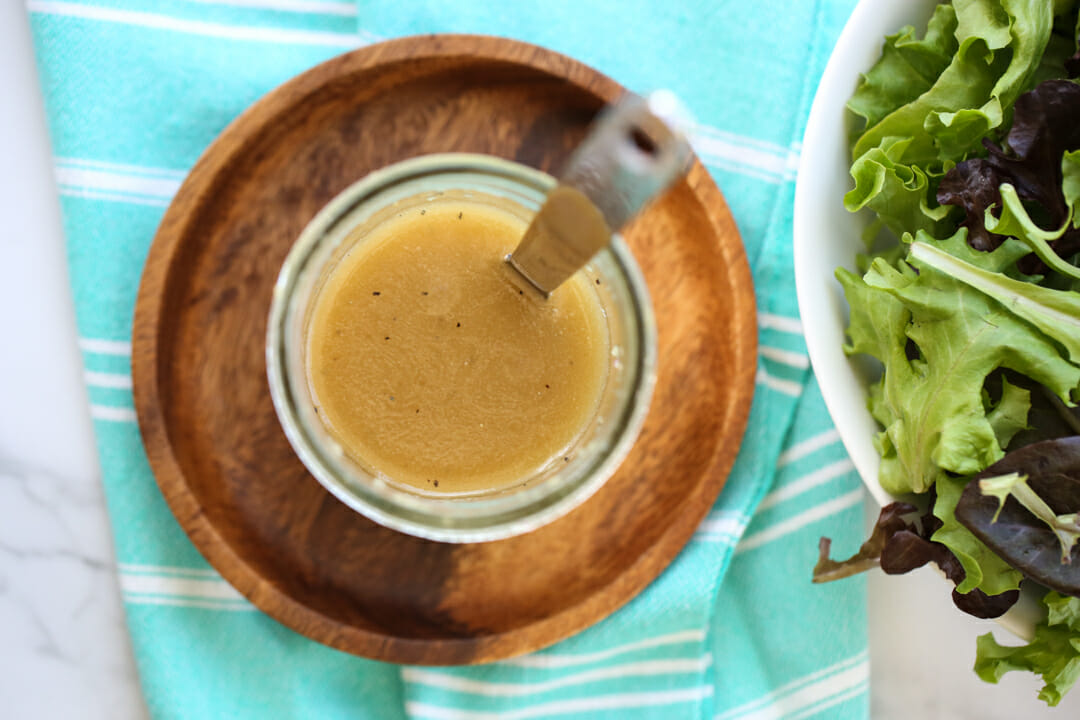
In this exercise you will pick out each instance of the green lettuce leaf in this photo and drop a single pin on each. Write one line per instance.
(1029, 24)
(1062, 610)
(1070, 171)
(928, 103)
(908, 67)
(876, 328)
(1055, 312)
(1016, 222)
(1054, 652)
(982, 567)
(895, 191)
(966, 83)
(1000, 47)
(939, 337)
(1009, 414)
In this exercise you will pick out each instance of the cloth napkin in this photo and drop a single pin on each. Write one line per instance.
(136, 89)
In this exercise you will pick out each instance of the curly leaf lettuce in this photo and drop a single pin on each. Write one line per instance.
(1054, 652)
(922, 114)
(939, 334)
(897, 192)
(909, 66)
(1000, 45)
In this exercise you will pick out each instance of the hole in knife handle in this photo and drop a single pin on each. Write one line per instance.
(643, 142)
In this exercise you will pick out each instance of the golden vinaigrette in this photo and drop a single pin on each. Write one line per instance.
(434, 369)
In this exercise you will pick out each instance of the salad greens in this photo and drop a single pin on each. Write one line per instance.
(1054, 652)
(967, 154)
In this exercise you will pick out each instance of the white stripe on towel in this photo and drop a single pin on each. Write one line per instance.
(169, 587)
(142, 569)
(111, 181)
(119, 381)
(229, 605)
(563, 707)
(113, 414)
(797, 522)
(785, 357)
(807, 482)
(729, 524)
(804, 448)
(558, 660)
(769, 321)
(644, 668)
(100, 346)
(120, 168)
(787, 387)
(309, 7)
(196, 27)
(805, 691)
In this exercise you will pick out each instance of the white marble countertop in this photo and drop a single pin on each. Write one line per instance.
(64, 650)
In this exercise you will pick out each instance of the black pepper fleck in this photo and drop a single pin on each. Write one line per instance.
(566, 459)
(436, 483)
(459, 324)
(521, 292)
(424, 292)
(376, 293)
(459, 216)
(547, 386)
(423, 211)
(386, 338)
(597, 281)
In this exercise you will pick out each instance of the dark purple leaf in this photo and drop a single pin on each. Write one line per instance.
(973, 185)
(1018, 537)
(899, 543)
(907, 551)
(894, 518)
(1045, 126)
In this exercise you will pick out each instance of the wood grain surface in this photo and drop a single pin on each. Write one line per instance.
(223, 462)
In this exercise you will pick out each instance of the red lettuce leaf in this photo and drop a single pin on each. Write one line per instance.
(1018, 536)
(899, 543)
(1045, 127)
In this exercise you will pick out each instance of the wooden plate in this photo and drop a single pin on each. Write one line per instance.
(204, 407)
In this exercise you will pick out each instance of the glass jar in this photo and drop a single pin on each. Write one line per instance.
(508, 510)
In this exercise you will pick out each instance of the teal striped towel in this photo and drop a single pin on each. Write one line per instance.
(136, 89)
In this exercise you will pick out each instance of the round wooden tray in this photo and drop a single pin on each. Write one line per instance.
(204, 407)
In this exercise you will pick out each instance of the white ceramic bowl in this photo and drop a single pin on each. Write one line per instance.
(827, 236)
